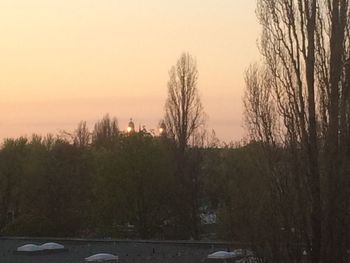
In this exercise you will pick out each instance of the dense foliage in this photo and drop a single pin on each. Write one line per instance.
(108, 183)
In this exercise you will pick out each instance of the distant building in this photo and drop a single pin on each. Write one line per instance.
(131, 126)
(162, 129)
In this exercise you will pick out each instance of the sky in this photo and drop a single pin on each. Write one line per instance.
(70, 60)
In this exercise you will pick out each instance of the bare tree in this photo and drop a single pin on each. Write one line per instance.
(304, 45)
(82, 135)
(183, 109)
(184, 118)
(105, 132)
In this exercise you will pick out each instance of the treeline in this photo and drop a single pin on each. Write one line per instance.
(108, 183)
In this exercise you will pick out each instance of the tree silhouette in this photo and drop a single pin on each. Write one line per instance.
(183, 109)
(299, 101)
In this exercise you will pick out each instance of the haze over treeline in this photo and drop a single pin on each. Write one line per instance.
(107, 182)
(67, 61)
(284, 190)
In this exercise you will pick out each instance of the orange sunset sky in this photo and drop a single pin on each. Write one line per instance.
(63, 61)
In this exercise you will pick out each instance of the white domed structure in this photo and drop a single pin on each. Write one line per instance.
(221, 255)
(102, 257)
(29, 248)
(52, 246)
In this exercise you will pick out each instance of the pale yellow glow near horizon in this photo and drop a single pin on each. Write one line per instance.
(71, 60)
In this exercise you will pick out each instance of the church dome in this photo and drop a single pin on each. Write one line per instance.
(162, 128)
(131, 126)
